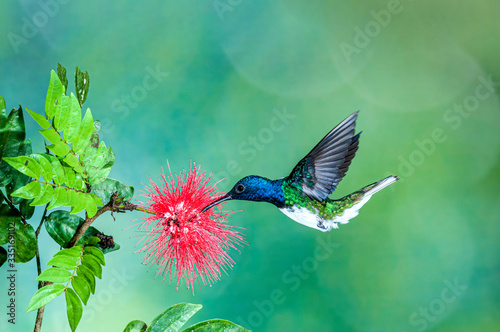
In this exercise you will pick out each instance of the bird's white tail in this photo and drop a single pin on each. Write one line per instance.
(377, 186)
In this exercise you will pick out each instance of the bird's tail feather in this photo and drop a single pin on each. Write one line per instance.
(379, 185)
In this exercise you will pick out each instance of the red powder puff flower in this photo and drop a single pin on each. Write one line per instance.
(178, 236)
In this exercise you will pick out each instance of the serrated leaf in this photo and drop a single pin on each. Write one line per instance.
(12, 136)
(26, 209)
(51, 135)
(82, 140)
(54, 274)
(90, 250)
(45, 166)
(136, 325)
(63, 261)
(82, 83)
(105, 189)
(93, 264)
(61, 149)
(45, 195)
(40, 119)
(74, 309)
(174, 317)
(88, 275)
(73, 120)
(29, 191)
(17, 179)
(25, 165)
(216, 325)
(82, 288)
(44, 295)
(54, 92)
(61, 73)
(3, 256)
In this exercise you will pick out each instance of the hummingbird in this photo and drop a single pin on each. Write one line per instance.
(303, 195)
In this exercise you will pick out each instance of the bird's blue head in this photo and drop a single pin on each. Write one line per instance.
(254, 188)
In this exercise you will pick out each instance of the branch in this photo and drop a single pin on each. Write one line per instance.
(86, 224)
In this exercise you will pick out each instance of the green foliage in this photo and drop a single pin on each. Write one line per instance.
(77, 266)
(174, 318)
(25, 240)
(3, 256)
(62, 226)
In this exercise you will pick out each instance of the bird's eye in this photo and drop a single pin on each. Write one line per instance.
(240, 188)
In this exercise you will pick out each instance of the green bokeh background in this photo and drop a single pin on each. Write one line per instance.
(232, 67)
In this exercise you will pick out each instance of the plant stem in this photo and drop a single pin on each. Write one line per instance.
(39, 314)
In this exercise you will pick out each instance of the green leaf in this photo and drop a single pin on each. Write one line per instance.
(92, 241)
(75, 251)
(59, 199)
(45, 166)
(25, 245)
(88, 275)
(51, 135)
(3, 256)
(73, 161)
(8, 218)
(93, 264)
(99, 176)
(90, 205)
(214, 325)
(70, 177)
(12, 136)
(63, 261)
(81, 85)
(94, 251)
(61, 73)
(61, 226)
(54, 92)
(108, 250)
(74, 308)
(45, 195)
(57, 169)
(29, 191)
(82, 140)
(136, 325)
(82, 288)
(61, 149)
(54, 274)
(105, 189)
(44, 295)
(18, 179)
(73, 120)
(40, 119)
(26, 209)
(61, 117)
(174, 317)
(25, 165)
(111, 158)
(78, 201)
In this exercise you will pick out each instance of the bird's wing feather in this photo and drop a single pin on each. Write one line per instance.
(321, 170)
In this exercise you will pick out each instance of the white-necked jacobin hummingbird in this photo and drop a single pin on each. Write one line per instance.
(303, 195)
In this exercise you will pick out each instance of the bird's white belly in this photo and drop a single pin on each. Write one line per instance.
(312, 219)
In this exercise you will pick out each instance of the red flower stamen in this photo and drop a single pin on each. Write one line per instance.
(180, 236)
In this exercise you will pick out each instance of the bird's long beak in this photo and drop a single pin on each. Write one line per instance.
(219, 200)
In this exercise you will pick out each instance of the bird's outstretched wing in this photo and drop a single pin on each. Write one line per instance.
(321, 170)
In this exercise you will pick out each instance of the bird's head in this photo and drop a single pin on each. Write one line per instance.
(251, 188)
